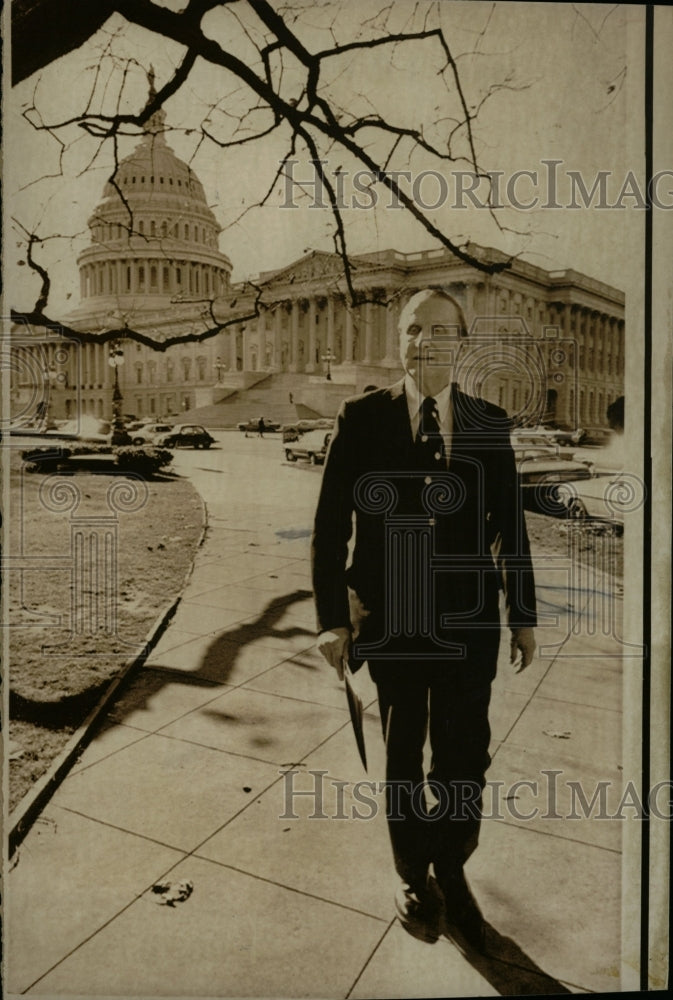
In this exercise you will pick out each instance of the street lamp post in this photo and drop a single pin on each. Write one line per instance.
(219, 368)
(329, 358)
(115, 360)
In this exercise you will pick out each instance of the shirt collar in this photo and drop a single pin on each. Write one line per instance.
(415, 399)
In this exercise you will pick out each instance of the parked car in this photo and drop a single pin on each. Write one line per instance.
(541, 468)
(597, 436)
(86, 428)
(527, 442)
(555, 434)
(149, 433)
(311, 446)
(292, 432)
(575, 437)
(607, 496)
(250, 426)
(185, 436)
(136, 425)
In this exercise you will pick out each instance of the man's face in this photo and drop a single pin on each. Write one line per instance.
(429, 343)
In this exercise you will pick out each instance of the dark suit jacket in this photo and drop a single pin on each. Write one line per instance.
(431, 547)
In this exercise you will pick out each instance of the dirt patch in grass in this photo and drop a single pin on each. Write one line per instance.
(96, 558)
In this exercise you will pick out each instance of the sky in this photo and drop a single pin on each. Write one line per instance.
(561, 88)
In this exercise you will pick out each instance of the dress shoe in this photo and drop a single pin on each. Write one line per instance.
(418, 911)
(465, 923)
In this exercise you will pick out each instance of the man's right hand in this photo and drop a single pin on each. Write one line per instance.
(334, 646)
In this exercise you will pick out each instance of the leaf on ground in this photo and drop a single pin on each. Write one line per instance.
(170, 893)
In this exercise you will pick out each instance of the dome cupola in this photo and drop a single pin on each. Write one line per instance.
(153, 235)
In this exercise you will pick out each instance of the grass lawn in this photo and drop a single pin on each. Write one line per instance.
(86, 585)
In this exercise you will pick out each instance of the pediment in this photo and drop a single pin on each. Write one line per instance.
(317, 264)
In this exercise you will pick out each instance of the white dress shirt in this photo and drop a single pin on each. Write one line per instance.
(444, 412)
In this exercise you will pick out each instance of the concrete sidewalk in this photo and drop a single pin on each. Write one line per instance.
(196, 774)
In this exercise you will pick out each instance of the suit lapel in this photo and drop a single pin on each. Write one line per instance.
(399, 426)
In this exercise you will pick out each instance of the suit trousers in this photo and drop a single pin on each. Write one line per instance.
(441, 827)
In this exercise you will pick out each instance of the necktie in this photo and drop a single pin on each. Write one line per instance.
(429, 441)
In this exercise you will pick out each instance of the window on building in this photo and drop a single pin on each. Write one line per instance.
(141, 278)
(164, 226)
(153, 277)
(201, 368)
(186, 368)
(153, 228)
(139, 374)
(128, 279)
(153, 405)
(186, 231)
(141, 227)
(169, 370)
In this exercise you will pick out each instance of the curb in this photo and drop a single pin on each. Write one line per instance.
(26, 812)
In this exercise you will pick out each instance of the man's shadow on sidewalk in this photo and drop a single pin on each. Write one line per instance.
(502, 963)
(509, 969)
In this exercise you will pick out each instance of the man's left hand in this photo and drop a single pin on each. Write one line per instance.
(522, 648)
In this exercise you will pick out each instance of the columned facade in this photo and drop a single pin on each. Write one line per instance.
(153, 265)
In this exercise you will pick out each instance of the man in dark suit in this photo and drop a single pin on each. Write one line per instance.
(428, 475)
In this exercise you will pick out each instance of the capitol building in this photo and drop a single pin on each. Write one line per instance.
(543, 344)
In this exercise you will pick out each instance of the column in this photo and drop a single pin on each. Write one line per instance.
(392, 333)
(277, 337)
(348, 348)
(310, 345)
(368, 331)
(566, 321)
(294, 339)
(470, 310)
(330, 326)
(261, 340)
(232, 347)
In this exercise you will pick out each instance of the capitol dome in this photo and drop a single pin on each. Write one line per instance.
(154, 240)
